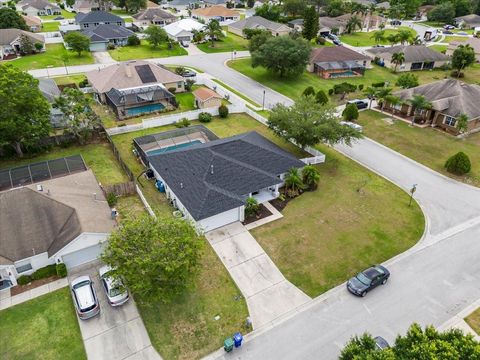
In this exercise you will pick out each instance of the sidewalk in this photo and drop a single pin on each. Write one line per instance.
(458, 322)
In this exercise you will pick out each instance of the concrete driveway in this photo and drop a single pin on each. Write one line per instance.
(269, 295)
(118, 332)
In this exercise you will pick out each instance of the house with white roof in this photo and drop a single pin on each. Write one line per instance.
(182, 30)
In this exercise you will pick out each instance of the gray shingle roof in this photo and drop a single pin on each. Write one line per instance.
(97, 17)
(107, 32)
(49, 89)
(258, 22)
(38, 4)
(154, 13)
(241, 164)
(413, 53)
(8, 35)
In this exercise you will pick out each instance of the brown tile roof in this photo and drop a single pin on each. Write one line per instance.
(215, 11)
(204, 94)
(32, 20)
(335, 53)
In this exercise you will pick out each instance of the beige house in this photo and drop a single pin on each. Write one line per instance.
(473, 42)
(33, 22)
(217, 12)
(205, 98)
(38, 8)
(257, 22)
(10, 45)
(153, 16)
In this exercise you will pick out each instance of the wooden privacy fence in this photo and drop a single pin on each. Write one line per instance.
(121, 189)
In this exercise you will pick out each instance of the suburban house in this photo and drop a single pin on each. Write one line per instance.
(208, 3)
(296, 24)
(107, 34)
(10, 46)
(38, 8)
(385, 5)
(217, 12)
(95, 18)
(209, 181)
(417, 57)
(182, 30)
(180, 5)
(136, 87)
(258, 22)
(473, 42)
(449, 98)
(34, 23)
(205, 98)
(332, 62)
(50, 221)
(153, 16)
(468, 21)
(338, 24)
(84, 6)
(50, 90)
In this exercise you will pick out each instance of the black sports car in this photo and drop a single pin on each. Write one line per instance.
(367, 280)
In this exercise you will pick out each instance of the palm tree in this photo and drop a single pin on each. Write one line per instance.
(404, 36)
(419, 104)
(393, 101)
(311, 176)
(353, 24)
(415, 40)
(382, 96)
(378, 36)
(293, 182)
(214, 31)
(371, 93)
(398, 58)
(392, 39)
(198, 36)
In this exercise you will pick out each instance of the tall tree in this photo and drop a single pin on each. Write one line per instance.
(10, 19)
(25, 113)
(26, 45)
(382, 95)
(378, 36)
(155, 259)
(155, 35)
(463, 56)
(353, 24)
(408, 8)
(294, 7)
(394, 101)
(282, 55)
(77, 42)
(258, 40)
(309, 123)
(310, 23)
(404, 36)
(443, 12)
(398, 58)
(335, 8)
(269, 12)
(392, 39)
(214, 31)
(134, 6)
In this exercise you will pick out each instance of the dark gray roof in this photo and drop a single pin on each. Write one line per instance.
(469, 19)
(33, 223)
(413, 53)
(154, 14)
(148, 93)
(107, 32)
(241, 164)
(97, 17)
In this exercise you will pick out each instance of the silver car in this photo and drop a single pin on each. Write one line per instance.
(117, 293)
(84, 297)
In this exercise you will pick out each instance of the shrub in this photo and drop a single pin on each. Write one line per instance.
(133, 40)
(112, 199)
(321, 97)
(458, 164)
(45, 272)
(379, 84)
(188, 84)
(360, 87)
(321, 40)
(223, 111)
(24, 280)
(344, 87)
(38, 46)
(204, 117)
(110, 47)
(251, 207)
(83, 83)
(172, 90)
(350, 113)
(330, 92)
(184, 122)
(309, 91)
(61, 270)
(407, 81)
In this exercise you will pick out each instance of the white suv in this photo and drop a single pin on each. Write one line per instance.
(84, 297)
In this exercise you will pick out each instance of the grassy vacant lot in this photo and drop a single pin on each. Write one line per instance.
(366, 38)
(145, 51)
(293, 87)
(71, 79)
(474, 320)
(45, 328)
(52, 57)
(229, 43)
(98, 157)
(50, 26)
(66, 15)
(428, 146)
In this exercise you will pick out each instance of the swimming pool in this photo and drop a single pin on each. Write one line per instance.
(343, 74)
(173, 147)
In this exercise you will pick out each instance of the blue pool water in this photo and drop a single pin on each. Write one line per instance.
(173, 147)
(343, 73)
(145, 109)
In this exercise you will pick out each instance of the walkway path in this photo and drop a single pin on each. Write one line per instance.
(268, 294)
(103, 57)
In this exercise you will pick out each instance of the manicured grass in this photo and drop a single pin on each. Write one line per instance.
(129, 206)
(366, 38)
(294, 87)
(229, 43)
(71, 79)
(186, 101)
(439, 48)
(428, 146)
(66, 14)
(98, 157)
(449, 39)
(472, 75)
(145, 51)
(52, 57)
(474, 320)
(50, 26)
(236, 92)
(45, 327)
(435, 24)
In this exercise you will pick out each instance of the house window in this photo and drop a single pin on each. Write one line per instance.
(450, 121)
(179, 84)
(22, 267)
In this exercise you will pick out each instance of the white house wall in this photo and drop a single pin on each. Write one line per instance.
(83, 241)
(37, 261)
(219, 220)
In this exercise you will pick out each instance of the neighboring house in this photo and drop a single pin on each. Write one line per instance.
(258, 22)
(182, 30)
(152, 5)
(10, 46)
(85, 6)
(38, 8)
(383, 5)
(180, 5)
(142, 86)
(51, 222)
(296, 24)
(209, 182)
(104, 35)
(449, 99)
(329, 24)
(473, 42)
(205, 98)
(468, 21)
(334, 62)
(417, 57)
(153, 16)
(51, 92)
(95, 18)
(34, 23)
(208, 3)
(217, 12)
(338, 25)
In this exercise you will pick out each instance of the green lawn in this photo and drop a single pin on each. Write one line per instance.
(52, 57)
(238, 93)
(71, 79)
(365, 38)
(439, 48)
(474, 320)
(428, 146)
(449, 39)
(472, 75)
(229, 43)
(145, 51)
(66, 15)
(43, 328)
(98, 157)
(50, 26)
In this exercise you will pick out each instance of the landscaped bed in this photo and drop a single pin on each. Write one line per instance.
(45, 328)
(145, 51)
(431, 147)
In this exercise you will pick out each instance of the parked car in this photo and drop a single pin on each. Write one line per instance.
(449, 27)
(395, 22)
(447, 32)
(117, 293)
(360, 103)
(184, 43)
(462, 33)
(84, 297)
(367, 280)
(337, 42)
(378, 46)
(352, 125)
(381, 343)
(189, 74)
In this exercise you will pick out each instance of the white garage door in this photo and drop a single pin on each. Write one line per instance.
(222, 219)
(82, 256)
